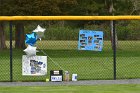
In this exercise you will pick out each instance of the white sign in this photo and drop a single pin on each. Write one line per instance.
(34, 66)
(56, 78)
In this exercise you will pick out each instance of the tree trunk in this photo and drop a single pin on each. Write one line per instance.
(19, 36)
(111, 25)
(111, 11)
(2, 36)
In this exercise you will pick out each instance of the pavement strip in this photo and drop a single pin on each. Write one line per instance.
(82, 82)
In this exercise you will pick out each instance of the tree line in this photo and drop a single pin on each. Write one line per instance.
(60, 7)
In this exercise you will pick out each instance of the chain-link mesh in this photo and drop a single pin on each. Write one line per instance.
(4, 64)
(128, 49)
(4, 55)
(60, 44)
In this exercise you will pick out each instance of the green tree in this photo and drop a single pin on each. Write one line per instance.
(2, 36)
(15, 8)
(2, 32)
(136, 7)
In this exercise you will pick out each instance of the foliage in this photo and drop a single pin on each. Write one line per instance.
(128, 30)
(62, 33)
(69, 30)
(65, 7)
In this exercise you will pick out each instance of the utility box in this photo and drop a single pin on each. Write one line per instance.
(56, 75)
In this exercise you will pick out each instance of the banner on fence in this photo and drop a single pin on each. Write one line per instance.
(90, 40)
(34, 66)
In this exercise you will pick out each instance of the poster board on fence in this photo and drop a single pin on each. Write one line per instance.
(34, 66)
(90, 40)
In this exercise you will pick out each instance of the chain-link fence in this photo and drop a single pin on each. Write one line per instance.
(60, 44)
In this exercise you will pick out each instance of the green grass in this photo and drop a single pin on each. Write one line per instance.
(87, 64)
(133, 88)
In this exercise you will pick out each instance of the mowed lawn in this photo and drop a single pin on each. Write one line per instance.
(87, 64)
(123, 88)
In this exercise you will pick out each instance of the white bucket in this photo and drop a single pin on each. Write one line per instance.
(74, 77)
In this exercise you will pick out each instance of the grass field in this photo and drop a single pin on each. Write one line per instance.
(87, 64)
(133, 88)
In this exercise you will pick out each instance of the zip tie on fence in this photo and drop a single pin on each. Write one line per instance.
(51, 59)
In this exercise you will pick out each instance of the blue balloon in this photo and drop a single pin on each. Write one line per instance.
(31, 39)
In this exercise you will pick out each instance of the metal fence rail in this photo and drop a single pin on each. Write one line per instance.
(13, 18)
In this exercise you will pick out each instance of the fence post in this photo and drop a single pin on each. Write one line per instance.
(114, 49)
(11, 68)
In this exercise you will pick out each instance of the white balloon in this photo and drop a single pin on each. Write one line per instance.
(39, 31)
(30, 51)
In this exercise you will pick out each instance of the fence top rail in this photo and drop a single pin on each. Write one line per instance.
(14, 18)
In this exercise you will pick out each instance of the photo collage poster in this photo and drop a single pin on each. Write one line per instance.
(90, 40)
(34, 66)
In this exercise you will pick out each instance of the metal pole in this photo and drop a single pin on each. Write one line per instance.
(11, 68)
(114, 49)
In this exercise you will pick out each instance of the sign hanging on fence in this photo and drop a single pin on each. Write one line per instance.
(34, 66)
(90, 40)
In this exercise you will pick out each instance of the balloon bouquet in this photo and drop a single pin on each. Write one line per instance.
(31, 39)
